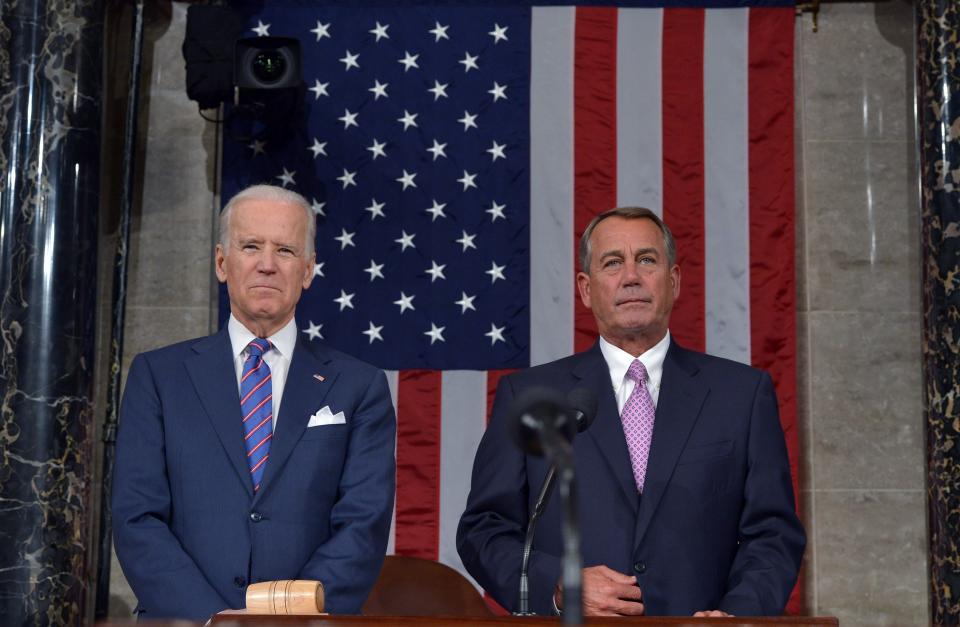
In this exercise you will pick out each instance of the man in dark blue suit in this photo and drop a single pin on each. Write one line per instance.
(686, 502)
(218, 485)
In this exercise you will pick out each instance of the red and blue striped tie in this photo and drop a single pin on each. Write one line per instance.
(256, 404)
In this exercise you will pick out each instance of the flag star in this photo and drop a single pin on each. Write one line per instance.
(496, 211)
(373, 332)
(349, 60)
(319, 89)
(496, 272)
(405, 302)
(467, 180)
(346, 239)
(375, 209)
(347, 178)
(345, 300)
(407, 179)
(380, 31)
(409, 60)
(435, 333)
(436, 271)
(440, 32)
(258, 147)
(318, 148)
(406, 241)
(495, 334)
(379, 89)
(261, 29)
(349, 119)
(375, 270)
(499, 91)
(465, 302)
(469, 62)
(408, 119)
(437, 150)
(437, 210)
(377, 148)
(317, 207)
(466, 241)
(498, 33)
(468, 120)
(496, 151)
(313, 331)
(322, 30)
(318, 269)
(286, 178)
(439, 90)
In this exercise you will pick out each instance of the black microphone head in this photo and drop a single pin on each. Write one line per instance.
(536, 410)
(583, 402)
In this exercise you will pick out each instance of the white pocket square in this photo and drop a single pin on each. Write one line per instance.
(326, 417)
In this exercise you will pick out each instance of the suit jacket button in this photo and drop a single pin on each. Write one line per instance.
(239, 582)
(256, 516)
(640, 567)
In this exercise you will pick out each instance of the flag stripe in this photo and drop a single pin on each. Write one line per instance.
(594, 134)
(683, 164)
(639, 109)
(727, 252)
(393, 383)
(551, 183)
(418, 463)
(463, 420)
(772, 272)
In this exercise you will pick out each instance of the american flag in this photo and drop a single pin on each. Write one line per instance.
(454, 154)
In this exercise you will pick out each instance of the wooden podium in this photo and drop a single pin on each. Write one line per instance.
(240, 618)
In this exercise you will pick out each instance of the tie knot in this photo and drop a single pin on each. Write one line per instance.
(258, 347)
(637, 371)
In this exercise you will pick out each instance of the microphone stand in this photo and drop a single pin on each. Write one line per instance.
(560, 452)
(538, 508)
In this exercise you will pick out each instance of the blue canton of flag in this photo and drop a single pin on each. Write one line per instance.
(414, 153)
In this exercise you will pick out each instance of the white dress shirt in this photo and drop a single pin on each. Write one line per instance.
(277, 358)
(619, 360)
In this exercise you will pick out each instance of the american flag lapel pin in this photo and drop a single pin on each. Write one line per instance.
(319, 377)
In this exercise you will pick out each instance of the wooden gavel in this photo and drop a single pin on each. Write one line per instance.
(285, 596)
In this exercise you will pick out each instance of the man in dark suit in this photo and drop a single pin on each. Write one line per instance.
(686, 503)
(217, 484)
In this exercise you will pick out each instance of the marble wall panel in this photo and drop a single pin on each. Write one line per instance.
(866, 401)
(862, 226)
(868, 571)
(858, 71)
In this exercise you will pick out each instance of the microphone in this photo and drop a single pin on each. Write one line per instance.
(540, 422)
(583, 405)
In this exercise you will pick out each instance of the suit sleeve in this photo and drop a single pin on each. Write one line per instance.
(349, 562)
(165, 579)
(492, 529)
(772, 539)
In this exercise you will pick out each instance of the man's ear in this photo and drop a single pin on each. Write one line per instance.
(308, 271)
(675, 280)
(583, 286)
(218, 259)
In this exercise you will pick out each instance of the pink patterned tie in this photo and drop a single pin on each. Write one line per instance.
(637, 418)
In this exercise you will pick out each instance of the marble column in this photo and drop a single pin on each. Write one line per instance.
(50, 109)
(938, 92)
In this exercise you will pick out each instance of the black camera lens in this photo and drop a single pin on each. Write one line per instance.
(269, 65)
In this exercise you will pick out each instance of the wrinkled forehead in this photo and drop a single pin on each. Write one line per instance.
(626, 234)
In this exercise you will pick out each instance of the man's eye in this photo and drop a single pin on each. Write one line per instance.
(285, 251)
(249, 247)
(612, 263)
(647, 260)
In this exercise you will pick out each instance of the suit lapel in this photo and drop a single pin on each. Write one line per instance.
(678, 409)
(213, 373)
(607, 430)
(303, 395)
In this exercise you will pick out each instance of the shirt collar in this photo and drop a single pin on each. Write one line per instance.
(619, 360)
(283, 340)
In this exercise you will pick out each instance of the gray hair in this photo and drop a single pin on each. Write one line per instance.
(269, 193)
(628, 213)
